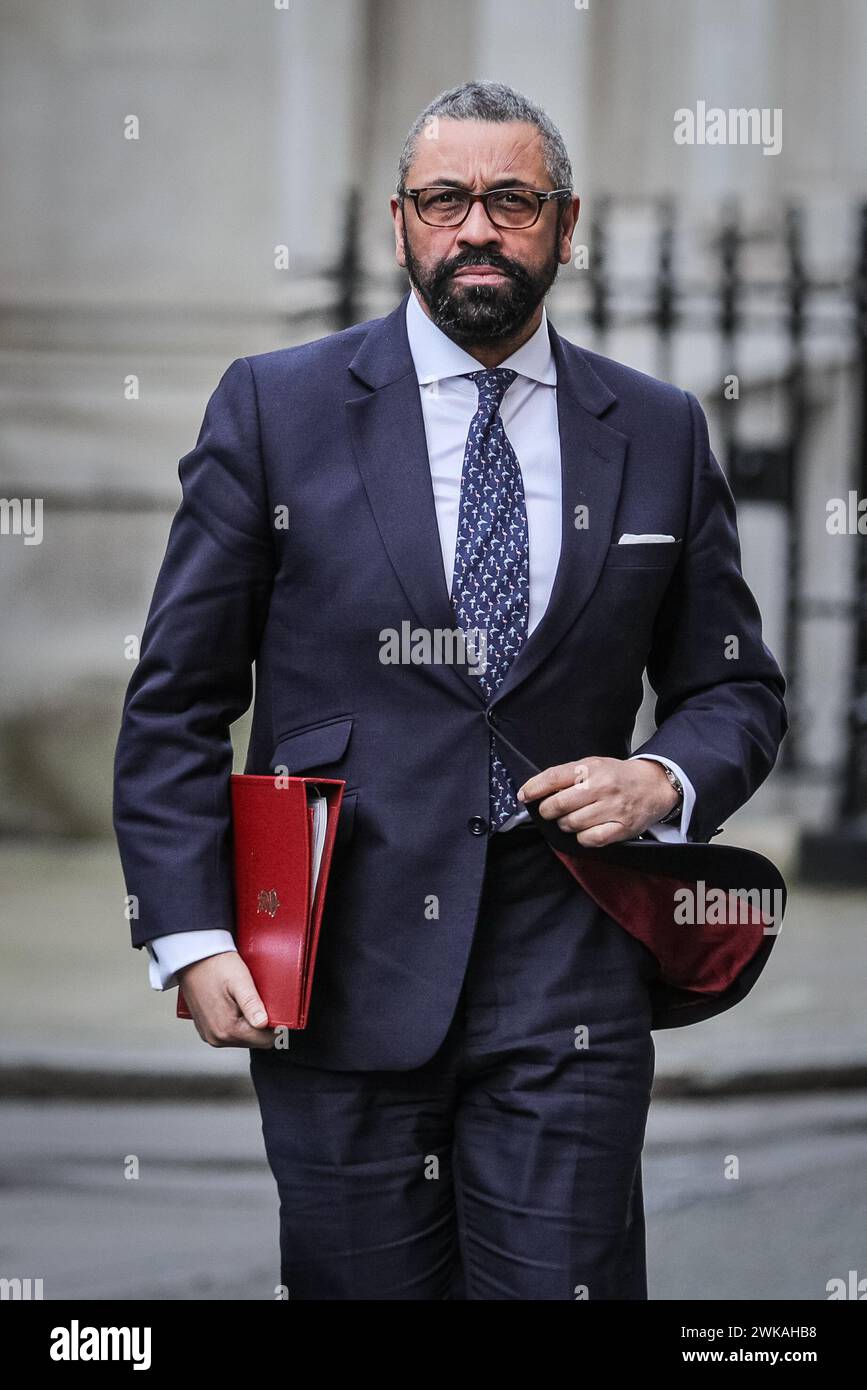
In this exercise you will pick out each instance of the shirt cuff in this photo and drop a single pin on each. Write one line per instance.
(171, 953)
(676, 833)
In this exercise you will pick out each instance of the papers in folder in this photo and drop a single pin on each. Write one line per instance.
(319, 806)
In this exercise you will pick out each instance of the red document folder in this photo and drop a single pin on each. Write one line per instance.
(278, 911)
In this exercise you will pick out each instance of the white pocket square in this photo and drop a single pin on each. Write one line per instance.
(628, 539)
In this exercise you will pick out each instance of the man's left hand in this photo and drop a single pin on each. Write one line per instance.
(602, 799)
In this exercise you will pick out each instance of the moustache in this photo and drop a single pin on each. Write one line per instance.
(513, 272)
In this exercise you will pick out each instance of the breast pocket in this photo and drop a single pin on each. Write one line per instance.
(644, 555)
(319, 749)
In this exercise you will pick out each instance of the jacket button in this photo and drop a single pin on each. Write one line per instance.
(493, 718)
(477, 825)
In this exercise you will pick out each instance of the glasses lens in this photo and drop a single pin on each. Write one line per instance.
(442, 206)
(513, 208)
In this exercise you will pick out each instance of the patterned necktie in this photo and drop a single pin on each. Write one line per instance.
(491, 583)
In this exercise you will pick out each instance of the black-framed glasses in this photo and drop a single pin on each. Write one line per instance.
(440, 205)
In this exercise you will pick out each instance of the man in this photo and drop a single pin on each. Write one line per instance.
(465, 1113)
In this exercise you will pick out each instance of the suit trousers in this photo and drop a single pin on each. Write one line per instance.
(508, 1166)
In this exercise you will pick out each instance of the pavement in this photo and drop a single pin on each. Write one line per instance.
(80, 1021)
(761, 1198)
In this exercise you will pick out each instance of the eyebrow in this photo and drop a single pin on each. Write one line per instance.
(507, 182)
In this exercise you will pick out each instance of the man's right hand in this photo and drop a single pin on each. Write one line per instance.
(222, 998)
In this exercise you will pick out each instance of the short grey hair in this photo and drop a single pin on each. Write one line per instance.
(490, 101)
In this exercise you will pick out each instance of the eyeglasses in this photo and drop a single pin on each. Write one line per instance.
(508, 208)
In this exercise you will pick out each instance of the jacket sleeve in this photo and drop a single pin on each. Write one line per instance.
(719, 709)
(194, 677)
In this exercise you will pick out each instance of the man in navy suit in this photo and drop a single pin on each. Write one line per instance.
(464, 1115)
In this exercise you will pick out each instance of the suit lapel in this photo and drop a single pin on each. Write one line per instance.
(387, 431)
(592, 456)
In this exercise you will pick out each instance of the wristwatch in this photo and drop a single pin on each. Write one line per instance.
(675, 813)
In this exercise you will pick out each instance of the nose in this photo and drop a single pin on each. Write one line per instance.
(478, 229)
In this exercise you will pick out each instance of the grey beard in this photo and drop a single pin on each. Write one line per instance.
(481, 314)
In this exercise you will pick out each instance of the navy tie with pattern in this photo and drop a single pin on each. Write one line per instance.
(491, 582)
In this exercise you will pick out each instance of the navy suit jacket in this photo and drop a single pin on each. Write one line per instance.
(307, 529)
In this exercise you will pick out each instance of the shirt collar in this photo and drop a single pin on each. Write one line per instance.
(436, 356)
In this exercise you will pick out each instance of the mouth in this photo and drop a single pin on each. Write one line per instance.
(480, 275)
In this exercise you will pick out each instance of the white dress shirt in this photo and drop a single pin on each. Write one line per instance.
(449, 402)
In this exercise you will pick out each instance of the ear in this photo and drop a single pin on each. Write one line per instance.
(397, 218)
(567, 227)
